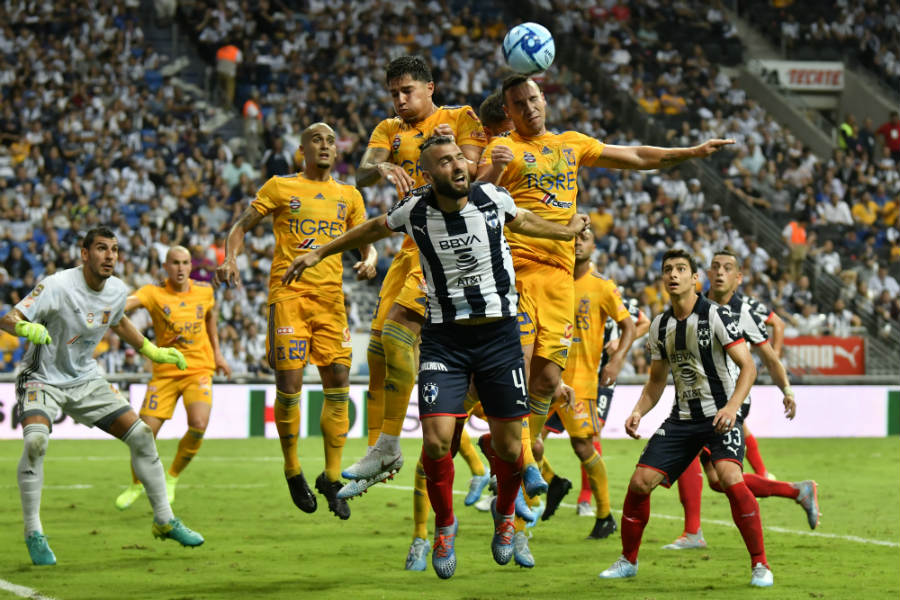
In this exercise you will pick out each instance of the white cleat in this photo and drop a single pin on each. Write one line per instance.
(584, 509)
(761, 576)
(620, 569)
(376, 466)
(688, 541)
(484, 505)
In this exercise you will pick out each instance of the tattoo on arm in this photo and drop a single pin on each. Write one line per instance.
(249, 219)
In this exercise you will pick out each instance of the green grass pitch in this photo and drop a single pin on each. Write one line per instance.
(259, 545)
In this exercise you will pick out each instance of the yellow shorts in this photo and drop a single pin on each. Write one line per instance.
(547, 300)
(163, 392)
(581, 420)
(306, 329)
(404, 285)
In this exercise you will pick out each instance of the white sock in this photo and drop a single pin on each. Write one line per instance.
(149, 469)
(30, 474)
(388, 443)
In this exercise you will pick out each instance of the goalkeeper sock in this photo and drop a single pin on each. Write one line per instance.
(334, 423)
(187, 449)
(287, 421)
(30, 474)
(149, 469)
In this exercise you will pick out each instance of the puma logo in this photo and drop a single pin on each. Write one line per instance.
(850, 356)
(420, 229)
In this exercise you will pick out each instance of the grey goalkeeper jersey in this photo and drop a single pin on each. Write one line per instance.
(76, 317)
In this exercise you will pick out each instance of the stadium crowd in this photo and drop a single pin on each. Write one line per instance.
(98, 135)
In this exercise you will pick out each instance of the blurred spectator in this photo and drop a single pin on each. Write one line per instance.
(840, 320)
(890, 131)
(827, 258)
(882, 282)
(796, 237)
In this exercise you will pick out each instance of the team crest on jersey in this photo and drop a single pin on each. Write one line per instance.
(703, 336)
(294, 204)
(90, 318)
(345, 335)
(31, 396)
(341, 210)
(529, 158)
(492, 219)
(570, 157)
(106, 314)
(430, 393)
(733, 328)
(395, 145)
(166, 310)
(199, 311)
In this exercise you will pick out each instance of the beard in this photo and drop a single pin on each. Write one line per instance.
(445, 187)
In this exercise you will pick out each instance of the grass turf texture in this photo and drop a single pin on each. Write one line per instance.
(259, 545)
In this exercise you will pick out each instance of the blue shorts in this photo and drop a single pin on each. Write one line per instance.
(490, 354)
(676, 443)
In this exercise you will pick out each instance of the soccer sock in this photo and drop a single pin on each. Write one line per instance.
(30, 474)
(149, 469)
(690, 492)
(635, 515)
(187, 449)
(420, 503)
(745, 512)
(400, 374)
(509, 479)
(585, 494)
(375, 399)
(527, 453)
(468, 453)
(596, 472)
(763, 487)
(287, 421)
(539, 405)
(439, 480)
(547, 471)
(753, 455)
(334, 423)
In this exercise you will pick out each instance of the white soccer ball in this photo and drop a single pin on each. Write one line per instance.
(528, 48)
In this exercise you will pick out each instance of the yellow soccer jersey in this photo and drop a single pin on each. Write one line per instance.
(543, 178)
(403, 140)
(307, 214)
(179, 320)
(595, 298)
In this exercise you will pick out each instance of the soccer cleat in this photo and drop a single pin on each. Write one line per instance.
(443, 555)
(620, 569)
(522, 509)
(584, 509)
(302, 496)
(39, 550)
(502, 542)
(416, 558)
(178, 531)
(329, 489)
(521, 551)
(171, 482)
(484, 505)
(687, 541)
(537, 511)
(376, 462)
(771, 476)
(556, 491)
(533, 482)
(603, 528)
(761, 576)
(476, 487)
(809, 500)
(358, 487)
(131, 493)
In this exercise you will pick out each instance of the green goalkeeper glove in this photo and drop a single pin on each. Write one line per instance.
(33, 332)
(163, 355)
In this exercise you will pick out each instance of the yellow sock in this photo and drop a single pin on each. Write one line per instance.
(596, 472)
(547, 471)
(287, 421)
(335, 422)
(375, 401)
(400, 374)
(187, 449)
(468, 453)
(527, 453)
(420, 503)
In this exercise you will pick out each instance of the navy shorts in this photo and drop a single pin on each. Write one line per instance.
(676, 443)
(604, 399)
(490, 354)
(554, 423)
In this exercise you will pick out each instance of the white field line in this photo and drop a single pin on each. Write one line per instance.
(21, 591)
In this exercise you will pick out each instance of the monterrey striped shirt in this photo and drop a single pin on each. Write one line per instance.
(464, 254)
(695, 349)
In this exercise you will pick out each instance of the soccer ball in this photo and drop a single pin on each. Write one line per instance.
(528, 48)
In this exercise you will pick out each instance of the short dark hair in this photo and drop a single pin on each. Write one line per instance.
(512, 81)
(491, 111)
(435, 140)
(412, 65)
(728, 251)
(679, 253)
(90, 236)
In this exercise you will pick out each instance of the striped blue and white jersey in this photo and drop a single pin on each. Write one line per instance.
(611, 331)
(464, 254)
(695, 350)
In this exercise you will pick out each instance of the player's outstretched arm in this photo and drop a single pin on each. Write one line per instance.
(132, 302)
(528, 223)
(650, 395)
(779, 376)
(368, 233)
(653, 157)
(126, 330)
(500, 156)
(374, 165)
(365, 268)
(14, 322)
(726, 418)
(777, 324)
(227, 272)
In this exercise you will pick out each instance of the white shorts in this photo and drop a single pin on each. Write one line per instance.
(95, 403)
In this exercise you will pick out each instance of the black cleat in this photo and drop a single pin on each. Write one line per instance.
(302, 496)
(329, 489)
(556, 491)
(603, 528)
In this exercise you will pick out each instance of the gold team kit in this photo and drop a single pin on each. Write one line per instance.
(543, 178)
(307, 319)
(596, 298)
(179, 321)
(404, 283)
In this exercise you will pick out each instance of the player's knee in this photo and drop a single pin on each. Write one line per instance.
(583, 447)
(544, 382)
(640, 483)
(36, 438)
(198, 423)
(508, 450)
(140, 439)
(435, 447)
